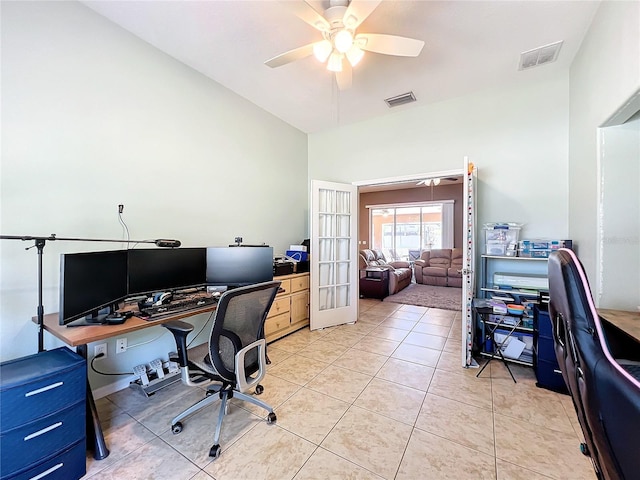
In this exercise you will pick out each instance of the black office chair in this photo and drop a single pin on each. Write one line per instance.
(235, 355)
(600, 367)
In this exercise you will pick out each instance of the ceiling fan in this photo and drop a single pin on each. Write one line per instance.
(338, 25)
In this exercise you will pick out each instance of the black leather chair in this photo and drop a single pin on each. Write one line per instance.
(600, 367)
(235, 355)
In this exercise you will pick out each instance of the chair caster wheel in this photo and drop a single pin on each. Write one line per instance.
(259, 389)
(215, 451)
(584, 450)
(176, 428)
(271, 418)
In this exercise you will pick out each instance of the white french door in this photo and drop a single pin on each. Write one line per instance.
(468, 275)
(334, 254)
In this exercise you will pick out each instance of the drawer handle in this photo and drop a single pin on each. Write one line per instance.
(44, 389)
(44, 430)
(47, 472)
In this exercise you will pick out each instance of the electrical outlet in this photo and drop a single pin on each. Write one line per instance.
(98, 349)
(121, 345)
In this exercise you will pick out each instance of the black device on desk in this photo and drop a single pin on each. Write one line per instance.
(239, 266)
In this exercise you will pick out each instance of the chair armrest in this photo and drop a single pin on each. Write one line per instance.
(420, 263)
(180, 330)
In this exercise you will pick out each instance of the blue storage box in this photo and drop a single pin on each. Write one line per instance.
(297, 255)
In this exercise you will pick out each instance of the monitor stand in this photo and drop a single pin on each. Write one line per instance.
(111, 317)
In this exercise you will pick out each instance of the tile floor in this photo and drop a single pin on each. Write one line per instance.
(384, 398)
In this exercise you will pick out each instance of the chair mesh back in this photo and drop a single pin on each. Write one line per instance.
(238, 322)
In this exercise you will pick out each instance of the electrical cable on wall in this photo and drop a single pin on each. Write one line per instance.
(100, 355)
(125, 229)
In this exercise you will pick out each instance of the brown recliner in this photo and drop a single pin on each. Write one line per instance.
(439, 267)
(399, 272)
(432, 267)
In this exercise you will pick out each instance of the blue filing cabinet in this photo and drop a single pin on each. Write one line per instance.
(43, 416)
(545, 365)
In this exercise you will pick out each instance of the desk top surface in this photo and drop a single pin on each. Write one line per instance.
(627, 321)
(74, 336)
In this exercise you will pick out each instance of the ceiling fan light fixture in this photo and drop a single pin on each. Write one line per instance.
(322, 50)
(335, 62)
(343, 41)
(354, 55)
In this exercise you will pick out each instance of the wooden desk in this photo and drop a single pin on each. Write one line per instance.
(79, 337)
(628, 322)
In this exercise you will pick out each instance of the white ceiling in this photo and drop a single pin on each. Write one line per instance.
(469, 46)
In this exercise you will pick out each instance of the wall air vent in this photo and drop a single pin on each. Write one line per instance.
(400, 99)
(539, 56)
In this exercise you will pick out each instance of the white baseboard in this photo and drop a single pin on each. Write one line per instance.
(113, 387)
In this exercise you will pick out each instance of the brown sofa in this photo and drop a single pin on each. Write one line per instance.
(399, 272)
(439, 267)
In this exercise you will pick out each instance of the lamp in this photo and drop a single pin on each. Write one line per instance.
(343, 41)
(322, 50)
(335, 62)
(354, 55)
(336, 45)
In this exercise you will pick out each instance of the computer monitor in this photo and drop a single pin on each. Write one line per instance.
(90, 282)
(158, 270)
(239, 266)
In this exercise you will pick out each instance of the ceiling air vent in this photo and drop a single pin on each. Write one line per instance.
(400, 99)
(539, 56)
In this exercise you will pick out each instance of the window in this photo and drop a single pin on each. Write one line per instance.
(402, 230)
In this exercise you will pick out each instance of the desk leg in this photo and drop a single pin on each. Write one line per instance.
(94, 429)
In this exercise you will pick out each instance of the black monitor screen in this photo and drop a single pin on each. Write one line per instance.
(91, 281)
(156, 270)
(238, 266)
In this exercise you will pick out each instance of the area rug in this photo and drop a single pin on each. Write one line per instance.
(447, 298)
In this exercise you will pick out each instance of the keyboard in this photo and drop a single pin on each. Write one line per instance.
(178, 305)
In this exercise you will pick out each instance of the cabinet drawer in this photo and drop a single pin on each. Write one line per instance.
(67, 465)
(286, 286)
(300, 283)
(549, 376)
(299, 307)
(280, 306)
(546, 351)
(35, 441)
(276, 323)
(37, 385)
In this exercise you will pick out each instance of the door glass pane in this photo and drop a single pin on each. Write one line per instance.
(325, 225)
(343, 200)
(342, 252)
(325, 252)
(342, 273)
(326, 298)
(326, 201)
(325, 271)
(342, 227)
(398, 230)
(342, 296)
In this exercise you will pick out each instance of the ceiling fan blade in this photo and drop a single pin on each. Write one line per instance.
(358, 11)
(305, 12)
(389, 44)
(291, 56)
(343, 78)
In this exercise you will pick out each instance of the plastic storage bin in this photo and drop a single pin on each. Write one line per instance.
(502, 238)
